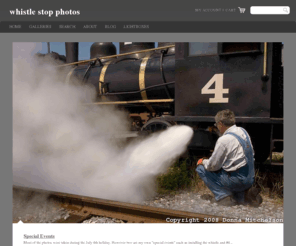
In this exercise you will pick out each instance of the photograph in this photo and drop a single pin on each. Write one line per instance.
(148, 132)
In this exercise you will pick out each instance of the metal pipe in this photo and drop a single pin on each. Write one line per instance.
(120, 55)
(265, 76)
(265, 60)
(71, 52)
(162, 72)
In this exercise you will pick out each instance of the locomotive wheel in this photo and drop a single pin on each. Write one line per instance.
(155, 125)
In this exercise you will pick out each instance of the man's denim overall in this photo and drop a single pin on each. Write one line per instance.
(223, 183)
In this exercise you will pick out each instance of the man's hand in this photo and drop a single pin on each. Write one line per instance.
(200, 161)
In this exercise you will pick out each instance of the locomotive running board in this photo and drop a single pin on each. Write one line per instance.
(212, 119)
(132, 102)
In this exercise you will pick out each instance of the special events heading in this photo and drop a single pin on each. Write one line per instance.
(48, 13)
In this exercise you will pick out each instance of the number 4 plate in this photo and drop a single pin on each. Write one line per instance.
(218, 91)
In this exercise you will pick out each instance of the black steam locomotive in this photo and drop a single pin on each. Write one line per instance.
(188, 83)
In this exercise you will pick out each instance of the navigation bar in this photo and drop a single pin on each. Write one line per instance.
(148, 27)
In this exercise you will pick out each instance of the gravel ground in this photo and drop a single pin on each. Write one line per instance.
(269, 210)
(96, 219)
(36, 209)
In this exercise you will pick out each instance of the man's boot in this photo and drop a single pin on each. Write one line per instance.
(252, 196)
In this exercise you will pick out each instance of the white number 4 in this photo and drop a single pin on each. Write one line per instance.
(218, 91)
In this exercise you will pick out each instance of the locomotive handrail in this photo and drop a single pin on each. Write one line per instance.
(118, 55)
(134, 92)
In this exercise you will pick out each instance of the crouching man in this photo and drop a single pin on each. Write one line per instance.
(229, 173)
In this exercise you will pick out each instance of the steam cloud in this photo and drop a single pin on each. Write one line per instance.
(61, 145)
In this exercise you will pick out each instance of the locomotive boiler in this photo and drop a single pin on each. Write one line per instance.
(188, 83)
(136, 80)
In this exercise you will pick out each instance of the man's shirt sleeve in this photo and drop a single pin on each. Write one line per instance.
(217, 159)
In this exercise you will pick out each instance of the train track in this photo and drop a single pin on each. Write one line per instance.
(82, 208)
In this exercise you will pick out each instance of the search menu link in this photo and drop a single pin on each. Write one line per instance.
(270, 10)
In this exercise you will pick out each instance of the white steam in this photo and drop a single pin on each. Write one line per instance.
(61, 145)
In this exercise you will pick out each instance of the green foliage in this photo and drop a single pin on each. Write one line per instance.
(271, 183)
(179, 176)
